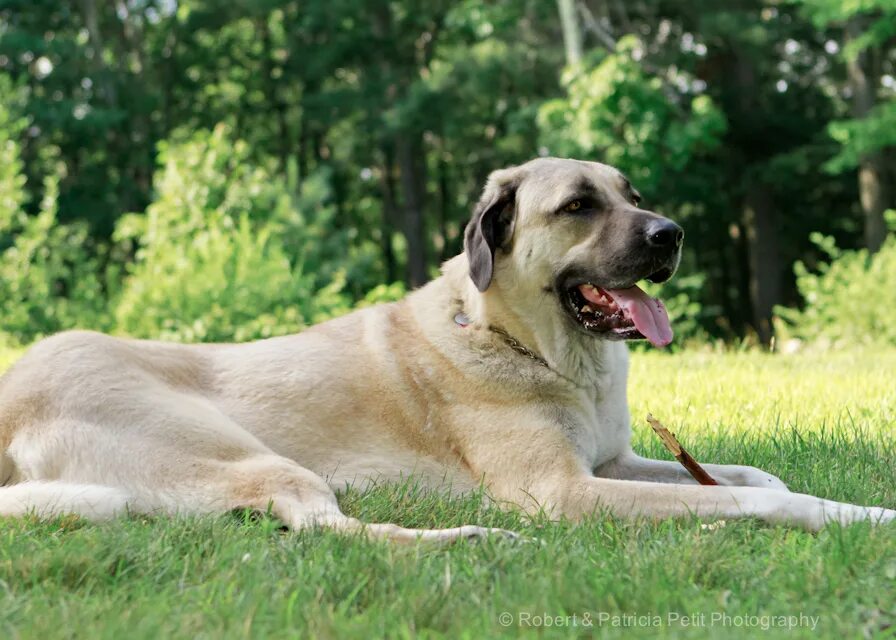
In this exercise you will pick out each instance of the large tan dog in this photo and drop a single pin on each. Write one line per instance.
(508, 371)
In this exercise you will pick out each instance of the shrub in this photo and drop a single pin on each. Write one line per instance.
(226, 251)
(849, 301)
(48, 275)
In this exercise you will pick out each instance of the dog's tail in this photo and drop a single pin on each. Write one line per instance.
(48, 499)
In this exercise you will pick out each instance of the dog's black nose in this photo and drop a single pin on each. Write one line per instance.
(664, 234)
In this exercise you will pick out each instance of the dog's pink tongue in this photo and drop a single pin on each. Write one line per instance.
(648, 314)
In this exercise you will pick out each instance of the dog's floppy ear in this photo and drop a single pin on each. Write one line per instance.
(490, 226)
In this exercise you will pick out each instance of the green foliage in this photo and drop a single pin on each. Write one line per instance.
(622, 114)
(879, 17)
(224, 252)
(380, 121)
(49, 280)
(229, 250)
(849, 300)
(858, 137)
(877, 21)
(12, 181)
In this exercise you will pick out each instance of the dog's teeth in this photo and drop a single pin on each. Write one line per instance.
(587, 309)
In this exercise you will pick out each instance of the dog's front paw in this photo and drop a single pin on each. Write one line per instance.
(847, 514)
(874, 515)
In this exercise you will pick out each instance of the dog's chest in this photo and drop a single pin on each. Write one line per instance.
(599, 430)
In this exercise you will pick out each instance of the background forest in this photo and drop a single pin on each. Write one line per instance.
(232, 169)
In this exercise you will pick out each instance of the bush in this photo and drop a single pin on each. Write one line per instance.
(48, 275)
(849, 301)
(224, 252)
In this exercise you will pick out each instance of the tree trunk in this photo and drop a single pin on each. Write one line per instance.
(305, 153)
(572, 32)
(445, 251)
(758, 209)
(390, 213)
(873, 195)
(743, 319)
(765, 267)
(864, 74)
(409, 149)
(105, 87)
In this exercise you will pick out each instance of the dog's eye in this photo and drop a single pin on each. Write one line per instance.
(572, 207)
(636, 199)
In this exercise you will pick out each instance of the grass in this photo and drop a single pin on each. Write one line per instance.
(825, 424)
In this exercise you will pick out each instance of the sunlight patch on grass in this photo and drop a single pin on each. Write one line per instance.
(754, 392)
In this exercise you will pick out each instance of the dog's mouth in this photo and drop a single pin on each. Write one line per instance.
(622, 314)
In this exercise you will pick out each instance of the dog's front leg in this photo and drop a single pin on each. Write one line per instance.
(537, 469)
(630, 466)
(632, 498)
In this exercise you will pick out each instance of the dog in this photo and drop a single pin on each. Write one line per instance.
(506, 373)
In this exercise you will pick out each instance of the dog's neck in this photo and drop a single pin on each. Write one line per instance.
(541, 329)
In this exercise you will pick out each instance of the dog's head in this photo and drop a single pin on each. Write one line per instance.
(573, 231)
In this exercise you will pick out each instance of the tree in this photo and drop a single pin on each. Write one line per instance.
(572, 33)
(398, 110)
(868, 30)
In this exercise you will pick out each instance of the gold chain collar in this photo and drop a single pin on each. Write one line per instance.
(462, 320)
(518, 346)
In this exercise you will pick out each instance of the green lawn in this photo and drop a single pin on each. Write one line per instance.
(825, 424)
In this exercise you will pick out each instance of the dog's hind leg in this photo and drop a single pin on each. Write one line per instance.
(190, 470)
(302, 499)
(166, 452)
